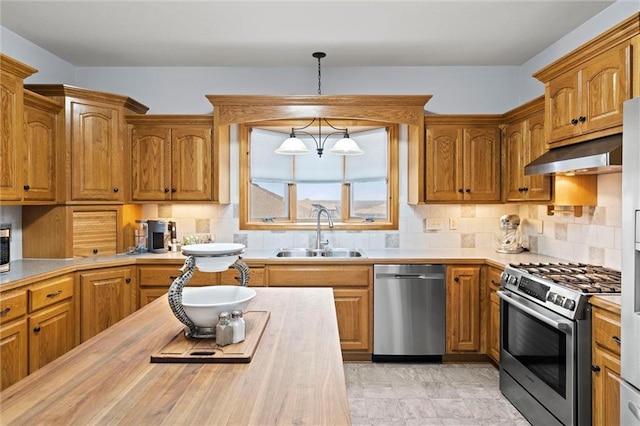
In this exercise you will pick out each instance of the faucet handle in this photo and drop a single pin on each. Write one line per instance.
(324, 244)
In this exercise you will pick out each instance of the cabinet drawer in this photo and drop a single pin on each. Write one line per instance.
(493, 278)
(606, 329)
(318, 276)
(49, 292)
(165, 275)
(12, 305)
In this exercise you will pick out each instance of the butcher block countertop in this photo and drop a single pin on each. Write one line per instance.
(295, 377)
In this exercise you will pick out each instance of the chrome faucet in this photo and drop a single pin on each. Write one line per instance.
(319, 242)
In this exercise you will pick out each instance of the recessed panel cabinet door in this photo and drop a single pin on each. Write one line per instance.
(39, 162)
(515, 161)
(191, 163)
(538, 187)
(563, 106)
(51, 334)
(352, 310)
(151, 164)
(444, 164)
(10, 136)
(107, 297)
(482, 164)
(13, 352)
(463, 309)
(97, 152)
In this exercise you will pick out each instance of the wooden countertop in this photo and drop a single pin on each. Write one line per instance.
(295, 377)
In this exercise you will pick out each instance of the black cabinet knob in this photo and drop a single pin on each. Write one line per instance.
(166, 190)
(582, 119)
(115, 190)
(173, 190)
(95, 251)
(574, 121)
(127, 280)
(467, 190)
(595, 368)
(456, 279)
(26, 187)
(36, 329)
(460, 190)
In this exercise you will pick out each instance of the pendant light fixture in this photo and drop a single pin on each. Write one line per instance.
(344, 146)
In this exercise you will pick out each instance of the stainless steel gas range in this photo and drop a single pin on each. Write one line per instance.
(545, 338)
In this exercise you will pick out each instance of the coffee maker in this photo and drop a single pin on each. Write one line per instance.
(158, 235)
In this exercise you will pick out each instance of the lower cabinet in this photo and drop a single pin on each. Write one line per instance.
(107, 296)
(37, 325)
(463, 309)
(492, 305)
(352, 289)
(605, 364)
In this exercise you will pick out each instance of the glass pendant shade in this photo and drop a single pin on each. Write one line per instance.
(346, 146)
(292, 146)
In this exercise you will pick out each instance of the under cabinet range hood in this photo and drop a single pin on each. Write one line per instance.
(598, 156)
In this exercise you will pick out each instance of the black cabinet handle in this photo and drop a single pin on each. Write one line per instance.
(595, 368)
(37, 329)
(26, 187)
(582, 119)
(5, 311)
(115, 190)
(166, 190)
(616, 339)
(95, 251)
(172, 277)
(56, 294)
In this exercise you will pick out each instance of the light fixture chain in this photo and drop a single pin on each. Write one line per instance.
(319, 77)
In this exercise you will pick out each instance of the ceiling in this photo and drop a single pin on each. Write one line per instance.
(284, 33)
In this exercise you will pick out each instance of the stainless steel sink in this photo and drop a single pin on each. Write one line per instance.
(331, 252)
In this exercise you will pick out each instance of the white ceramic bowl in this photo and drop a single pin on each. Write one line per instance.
(203, 304)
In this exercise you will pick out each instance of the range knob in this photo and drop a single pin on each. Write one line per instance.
(569, 304)
(513, 280)
(559, 300)
(552, 297)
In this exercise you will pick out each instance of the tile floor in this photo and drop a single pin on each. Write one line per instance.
(427, 394)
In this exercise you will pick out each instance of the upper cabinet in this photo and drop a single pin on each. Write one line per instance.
(171, 158)
(12, 75)
(524, 141)
(94, 153)
(585, 90)
(462, 158)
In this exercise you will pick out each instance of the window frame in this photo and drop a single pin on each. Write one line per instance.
(342, 223)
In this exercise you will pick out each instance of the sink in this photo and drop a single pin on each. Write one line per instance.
(331, 252)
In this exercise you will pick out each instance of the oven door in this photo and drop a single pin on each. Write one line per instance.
(537, 352)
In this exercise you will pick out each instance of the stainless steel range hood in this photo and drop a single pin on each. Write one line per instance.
(598, 156)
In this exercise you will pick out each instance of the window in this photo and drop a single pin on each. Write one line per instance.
(282, 191)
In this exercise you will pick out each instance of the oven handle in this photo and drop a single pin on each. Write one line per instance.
(558, 325)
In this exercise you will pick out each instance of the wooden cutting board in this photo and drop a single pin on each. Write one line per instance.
(185, 350)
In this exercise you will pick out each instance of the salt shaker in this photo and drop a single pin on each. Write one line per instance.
(224, 330)
(238, 325)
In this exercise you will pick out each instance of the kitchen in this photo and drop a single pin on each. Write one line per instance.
(593, 238)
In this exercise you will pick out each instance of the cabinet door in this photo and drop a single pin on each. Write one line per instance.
(482, 164)
(13, 352)
(606, 84)
(563, 106)
(463, 309)
(97, 153)
(39, 161)
(605, 387)
(352, 311)
(191, 163)
(151, 163)
(148, 295)
(11, 105)
(538, 187)
(51, 334)
(107, 297)
(494, 327)
(444, 163)
(515, 162)
(95, 232)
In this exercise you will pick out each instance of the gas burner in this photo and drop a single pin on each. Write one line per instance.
(579, 277)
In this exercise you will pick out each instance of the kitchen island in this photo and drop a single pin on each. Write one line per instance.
(296, 375)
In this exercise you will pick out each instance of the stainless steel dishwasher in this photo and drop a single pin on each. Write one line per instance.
(409, 312)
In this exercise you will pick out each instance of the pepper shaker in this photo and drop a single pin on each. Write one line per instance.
(224, 330)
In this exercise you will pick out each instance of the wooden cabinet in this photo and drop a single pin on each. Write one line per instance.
(585, 89)
(352, 289)
(40, 174)
(94, 155)
(13, 337)
(107, 296)
(492, 306)
(77, 230)
(38, 326)
(524, 141)
(463, 309)
(154, 280)
(12, 75)
(463, 158)
(605, 363)
(171, 158)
